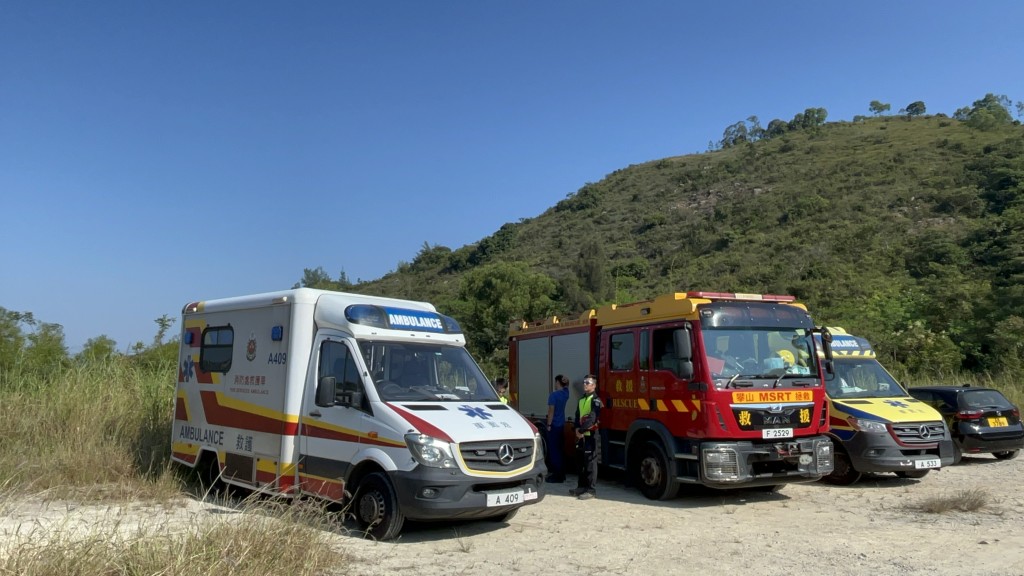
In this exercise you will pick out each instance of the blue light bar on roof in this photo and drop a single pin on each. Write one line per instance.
(401, 319)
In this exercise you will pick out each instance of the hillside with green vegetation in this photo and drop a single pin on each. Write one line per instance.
(906, 229)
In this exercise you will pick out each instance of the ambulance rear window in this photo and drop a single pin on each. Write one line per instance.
(215, 353)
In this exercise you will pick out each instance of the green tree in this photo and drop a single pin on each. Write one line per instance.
(98, 349)
(776, 128)
(493, 295)
(164, 324)
(46, 353)
(914, 109)
(319, 279)
(592, 270)
(988, 113)
(878, 108)
(734, 134)
(12, 338)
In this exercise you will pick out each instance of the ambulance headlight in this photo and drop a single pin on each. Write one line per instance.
(430, 451)
(870, 426)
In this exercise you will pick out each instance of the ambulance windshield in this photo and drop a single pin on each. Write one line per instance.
(425, 372)
(861, 378)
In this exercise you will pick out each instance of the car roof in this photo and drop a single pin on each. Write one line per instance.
(950, 388)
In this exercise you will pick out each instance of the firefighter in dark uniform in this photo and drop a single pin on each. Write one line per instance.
(588, 444)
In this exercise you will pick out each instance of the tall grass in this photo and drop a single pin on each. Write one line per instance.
(1009, 383)
(100, 433)
(94, 423)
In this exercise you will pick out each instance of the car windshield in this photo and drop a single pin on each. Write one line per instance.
(983, 399)
(862, 378)
(759, 353)
(428, 372)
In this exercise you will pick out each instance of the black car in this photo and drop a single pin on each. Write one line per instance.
(980, 419)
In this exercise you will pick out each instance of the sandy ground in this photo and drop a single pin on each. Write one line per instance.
(874, 527)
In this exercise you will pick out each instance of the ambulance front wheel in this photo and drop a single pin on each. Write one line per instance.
(843, 473)
(376, 508)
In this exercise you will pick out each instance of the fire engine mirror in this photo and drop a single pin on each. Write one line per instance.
(681, 340)
(686, 370)
(326, 391)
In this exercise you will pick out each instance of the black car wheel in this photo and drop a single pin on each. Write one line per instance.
(376, 508)
(1006, 455)
(912, 474)
(843, 472)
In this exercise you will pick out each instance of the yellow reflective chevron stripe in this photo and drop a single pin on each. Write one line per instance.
(692, 405)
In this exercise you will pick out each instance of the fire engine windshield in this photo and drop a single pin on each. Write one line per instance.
(425, 372)
(759, 353)
(862, 378)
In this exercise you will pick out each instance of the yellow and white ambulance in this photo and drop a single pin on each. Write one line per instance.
(355, 399)
(875, 424)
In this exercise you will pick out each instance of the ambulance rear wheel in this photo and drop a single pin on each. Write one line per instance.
(651, 473)
(843, 474)
(376, 508)
(208, 472)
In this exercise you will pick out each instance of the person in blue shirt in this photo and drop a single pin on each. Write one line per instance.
(556, 429)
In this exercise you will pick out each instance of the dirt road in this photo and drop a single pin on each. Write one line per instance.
(875, 527)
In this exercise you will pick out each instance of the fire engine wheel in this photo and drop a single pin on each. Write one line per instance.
(1006, 455)
(651, 473)
(912, 473)
(376, 508)
(843, 474)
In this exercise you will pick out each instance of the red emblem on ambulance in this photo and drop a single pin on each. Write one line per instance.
(250, 348)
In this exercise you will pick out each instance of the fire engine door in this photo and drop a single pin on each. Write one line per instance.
(330, 434)
(625, 382)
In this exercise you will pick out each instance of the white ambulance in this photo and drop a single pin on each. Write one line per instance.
(360, 399)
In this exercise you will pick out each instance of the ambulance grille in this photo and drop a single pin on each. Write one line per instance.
(919, 432)
(487, 456)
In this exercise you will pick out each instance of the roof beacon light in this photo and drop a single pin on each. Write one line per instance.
(741, 296)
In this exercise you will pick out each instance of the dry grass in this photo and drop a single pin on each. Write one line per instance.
(87, 451)
(257, 540)
(972, 500)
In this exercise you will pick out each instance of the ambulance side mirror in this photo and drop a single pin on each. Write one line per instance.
(326, 391)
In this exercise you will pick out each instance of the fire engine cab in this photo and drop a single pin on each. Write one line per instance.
(719, 389)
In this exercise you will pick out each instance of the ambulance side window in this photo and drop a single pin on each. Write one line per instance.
(336, 360)
(215, 353)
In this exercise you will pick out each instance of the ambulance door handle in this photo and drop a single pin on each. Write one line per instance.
(315, 414)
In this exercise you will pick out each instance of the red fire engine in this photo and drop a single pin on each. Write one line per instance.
(724, 390)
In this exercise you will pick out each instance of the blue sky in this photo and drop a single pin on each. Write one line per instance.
(156, 153)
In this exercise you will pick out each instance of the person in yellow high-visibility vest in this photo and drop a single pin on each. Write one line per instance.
(588, 444)
(502, 386)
